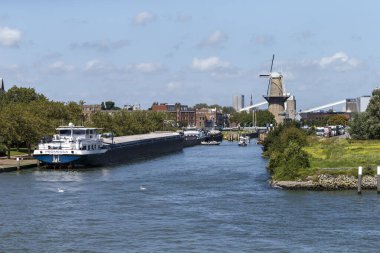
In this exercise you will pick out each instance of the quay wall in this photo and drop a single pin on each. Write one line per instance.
(328, 183)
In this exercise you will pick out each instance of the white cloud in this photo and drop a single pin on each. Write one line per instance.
(171, 86)
(339, 61)
(210, 64)
(143, 18)
(9, 37)
(98, 66)
(60, 66)
(214, 39)
(148, 67)
(101, 45)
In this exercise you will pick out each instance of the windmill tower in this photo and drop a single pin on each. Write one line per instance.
(276, 95)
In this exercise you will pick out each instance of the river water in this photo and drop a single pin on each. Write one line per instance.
(204, 199)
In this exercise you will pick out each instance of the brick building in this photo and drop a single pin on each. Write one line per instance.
(182, 114)
(209, 118)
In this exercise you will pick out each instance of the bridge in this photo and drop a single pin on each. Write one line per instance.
(324, 106)
(253, 106)
(318, 108)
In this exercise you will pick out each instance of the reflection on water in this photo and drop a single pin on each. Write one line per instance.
(203, 199)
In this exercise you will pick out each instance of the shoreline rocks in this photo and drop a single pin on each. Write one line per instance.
(328, 183)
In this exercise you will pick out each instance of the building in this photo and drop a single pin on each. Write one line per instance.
(182, 114)
(88, 110)
(363, 103)
(317, 118)
(352, 105)
(2, 88)
(209, 118)
(238, 102)
(132, 107)
(359, 104)
(291, 108)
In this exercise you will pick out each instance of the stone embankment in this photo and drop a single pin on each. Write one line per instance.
(328, 183)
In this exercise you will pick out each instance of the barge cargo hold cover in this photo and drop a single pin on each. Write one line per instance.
(78, 145)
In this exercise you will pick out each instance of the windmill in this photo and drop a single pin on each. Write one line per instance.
(276, 95)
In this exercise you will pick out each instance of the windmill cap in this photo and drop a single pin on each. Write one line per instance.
(275, 75)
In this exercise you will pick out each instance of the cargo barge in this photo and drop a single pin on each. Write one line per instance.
(78, 145)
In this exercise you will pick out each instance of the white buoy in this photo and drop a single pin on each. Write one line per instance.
(360, 174)
(378, 179)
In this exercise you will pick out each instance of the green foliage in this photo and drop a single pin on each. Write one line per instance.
(109, 105)
(290, 162)
(284, 146)
(26, 116)
(335, 120)
(367, 125)
(264, 117)
(131, 122)
(244, 118)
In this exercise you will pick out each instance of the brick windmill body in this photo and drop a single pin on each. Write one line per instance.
(276, 95)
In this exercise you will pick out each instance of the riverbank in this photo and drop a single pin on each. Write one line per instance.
(328, 183)
(8, 165)
(334, 165)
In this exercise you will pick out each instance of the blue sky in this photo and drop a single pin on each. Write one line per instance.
(138, 52)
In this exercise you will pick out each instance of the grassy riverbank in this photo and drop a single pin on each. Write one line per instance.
(337, 156)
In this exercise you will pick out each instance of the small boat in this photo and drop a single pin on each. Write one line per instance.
(210, 142)
(243, 141)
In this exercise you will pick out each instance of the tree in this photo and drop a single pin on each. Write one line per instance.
(228, 110)
(367, 125)
(335, 120)
(109, 105)
(200, 106)
(23, 95)
(264, 117)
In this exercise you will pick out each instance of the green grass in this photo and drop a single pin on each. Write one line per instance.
(22, 151)
(336, 156)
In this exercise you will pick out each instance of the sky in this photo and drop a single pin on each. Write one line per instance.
(167, 51)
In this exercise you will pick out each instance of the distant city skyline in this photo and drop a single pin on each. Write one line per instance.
(138, 52)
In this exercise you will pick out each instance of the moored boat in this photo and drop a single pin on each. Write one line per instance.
(78, 145)
(243, 141)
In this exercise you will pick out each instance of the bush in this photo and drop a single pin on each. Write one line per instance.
(288, 163)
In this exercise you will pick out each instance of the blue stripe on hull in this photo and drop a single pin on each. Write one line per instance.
(57, 159)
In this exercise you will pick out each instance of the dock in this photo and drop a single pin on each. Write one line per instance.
(8, 165)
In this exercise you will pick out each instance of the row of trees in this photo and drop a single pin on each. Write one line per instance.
(366, 125)
(26, 116)
(132, 122)
(244, 118)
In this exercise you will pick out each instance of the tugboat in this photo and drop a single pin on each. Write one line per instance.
(78, 145)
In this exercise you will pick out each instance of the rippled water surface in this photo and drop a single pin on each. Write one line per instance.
(204, 199)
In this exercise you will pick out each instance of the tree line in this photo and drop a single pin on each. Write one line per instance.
(26, 116)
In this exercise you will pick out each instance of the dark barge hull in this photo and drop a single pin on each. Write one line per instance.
(125, 152)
